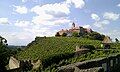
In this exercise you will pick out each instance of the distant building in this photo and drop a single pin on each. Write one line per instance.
(75, 28)
(106, 42)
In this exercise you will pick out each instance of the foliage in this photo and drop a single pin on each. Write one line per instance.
(90, 47)
(75, 34)
(64, 34)
(90, 55)
(59, 51)
(96, 36)
(57, 34)
(117, 41)
(4, 54)
(53, 49)
(93, 35)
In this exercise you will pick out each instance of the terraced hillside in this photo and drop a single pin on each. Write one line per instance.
(58, 51)
(44, 47)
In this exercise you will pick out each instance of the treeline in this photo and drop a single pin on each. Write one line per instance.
(93, 35)
(5, 52)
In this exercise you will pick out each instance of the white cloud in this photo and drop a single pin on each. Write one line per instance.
(51, 8)
(42, 19)
(24, 1)
(61, 21)
(20, 9)
(48, 13)
(22, 23)
(86, 26)
(38, 31)
(77, 3)
(51, 14)
(118, 5)
(18, 38)
(107, 18)
(100, 24)
(111, 16)
(95, 17)
(4, 21)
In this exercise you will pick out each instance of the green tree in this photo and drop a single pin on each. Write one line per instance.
(97, 36)
(64, 34)
(4, 54)
(117, 41)
(75, 34)
(57, 34)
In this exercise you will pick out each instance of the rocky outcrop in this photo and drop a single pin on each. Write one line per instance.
(14, 63)
(36, 64)
(23, 65)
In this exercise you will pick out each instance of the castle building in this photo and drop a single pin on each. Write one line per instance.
(75, 28)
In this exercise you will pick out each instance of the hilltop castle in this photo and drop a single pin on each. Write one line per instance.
(75, 28)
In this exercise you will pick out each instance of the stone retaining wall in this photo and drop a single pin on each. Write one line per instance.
(107, 64)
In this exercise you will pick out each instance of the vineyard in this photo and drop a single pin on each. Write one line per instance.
(45, 47)
(58, 51)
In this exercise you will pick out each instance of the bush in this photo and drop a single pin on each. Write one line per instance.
(64, 34)
(4, 54)
(57, 34)
(75, 34)
(90, 47)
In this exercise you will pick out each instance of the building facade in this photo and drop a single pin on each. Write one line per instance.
(75, 28)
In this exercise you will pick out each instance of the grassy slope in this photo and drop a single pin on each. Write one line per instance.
(44, 47)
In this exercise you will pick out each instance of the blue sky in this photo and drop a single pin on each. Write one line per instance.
(22, 20)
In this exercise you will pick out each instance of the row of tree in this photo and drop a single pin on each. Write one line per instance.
(93, 35)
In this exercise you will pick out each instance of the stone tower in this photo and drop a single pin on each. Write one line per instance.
(73, 25)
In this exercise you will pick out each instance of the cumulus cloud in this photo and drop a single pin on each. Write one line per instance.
(51, 8)
(61, 21)
(51, 14)
(20, 9)
(111, 16)
(107, 18)
(95, 17)
(18, 38)
(41, 31)
(77, 3)
(118, 5)
(22, 23)
(100, 24)
(4, 21)
(24, 1)
(87, 26)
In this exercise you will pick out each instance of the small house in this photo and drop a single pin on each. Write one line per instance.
(106, 42)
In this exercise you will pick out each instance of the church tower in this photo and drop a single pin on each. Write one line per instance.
(73, 25)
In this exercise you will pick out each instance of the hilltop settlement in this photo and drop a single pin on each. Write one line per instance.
(66, 52)
(79, 31)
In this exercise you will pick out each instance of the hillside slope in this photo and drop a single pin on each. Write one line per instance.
(44, 47)
(54, 52)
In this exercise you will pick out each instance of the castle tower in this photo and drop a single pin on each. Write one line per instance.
(73, 25)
